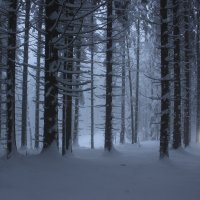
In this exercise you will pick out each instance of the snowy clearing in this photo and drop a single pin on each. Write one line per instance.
(128, 173)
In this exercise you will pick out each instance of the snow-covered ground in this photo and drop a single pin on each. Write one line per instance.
(129, 172)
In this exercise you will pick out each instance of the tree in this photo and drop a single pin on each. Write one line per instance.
(25, 74)
(177, 81)
(165, 118)
(11, 67)
(51, 70)
(109, 64)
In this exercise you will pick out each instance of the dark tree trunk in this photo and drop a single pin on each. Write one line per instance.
(109, 71)
(198, 74)
(92, 82)
(187, 76)
(51, 69)
(25, 75)
(11, 54)
(177, 84)
(39, 52)
(165, 119)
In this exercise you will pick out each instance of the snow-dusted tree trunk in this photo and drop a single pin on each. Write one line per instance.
(38, 70)
(25, 75)
(187, 75)
(109, 63)
(198, 74)
(177, 81)
(51, 69)
(137, 82)
(11, 66)
(165, 118)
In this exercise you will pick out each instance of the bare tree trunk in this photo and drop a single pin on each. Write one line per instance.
(177, 81)
(39, 52)
(92, 82)
(131, 93)
(198, 74)
(187, 77)
(122, 133)
(25, 76)
(165, 119)
(51, 69)
(137, 83)
(109, 71)
(12, 27)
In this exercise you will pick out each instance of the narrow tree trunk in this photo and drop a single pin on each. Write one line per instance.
(25, 75)
(11, 54)
(122, 133)
(177, 81)
(165, 119)
(37, 92)
(198, 75)
(137, 82)
(77, 99)
(187, 77)
(109, 57)
(51, 69)
(131, 93)
(92, 82)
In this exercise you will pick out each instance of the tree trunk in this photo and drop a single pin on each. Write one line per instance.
(25, 75)
(187, 77)
(109, 71)
(122, 133)
(39, 52)
(51, 70)
(137, 83)
(198, 74)
(177, 83)
(131, 93)
(12, 27)
(92, 82)
(165, 118)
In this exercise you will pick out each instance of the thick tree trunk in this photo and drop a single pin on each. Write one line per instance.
(25, 76)
(37, 92)
(109, 56)
(51, 69)
(137, 83)
(177, 81)
(165, 119)
(11, 54)
(187, 76)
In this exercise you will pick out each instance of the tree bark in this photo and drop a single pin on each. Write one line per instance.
(177, 81)
(165, 118)
(25, 75)
(109, 59)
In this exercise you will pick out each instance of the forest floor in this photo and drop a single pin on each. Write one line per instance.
(129, 172)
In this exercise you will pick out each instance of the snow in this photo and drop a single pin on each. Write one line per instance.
(129, 172)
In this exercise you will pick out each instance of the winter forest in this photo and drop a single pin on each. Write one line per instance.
(100, 99)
